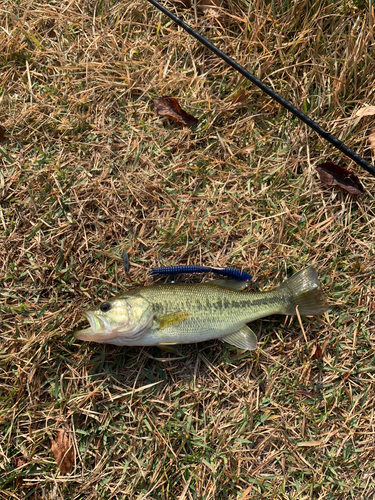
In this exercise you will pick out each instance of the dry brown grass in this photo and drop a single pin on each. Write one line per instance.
(88, 169)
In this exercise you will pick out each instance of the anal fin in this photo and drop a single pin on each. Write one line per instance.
(243, 339)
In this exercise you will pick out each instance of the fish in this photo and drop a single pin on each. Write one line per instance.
(184, 313)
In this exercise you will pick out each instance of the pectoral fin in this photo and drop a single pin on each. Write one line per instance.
(171, 319)
(243, 339)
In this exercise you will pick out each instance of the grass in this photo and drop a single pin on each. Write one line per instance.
(88, 169)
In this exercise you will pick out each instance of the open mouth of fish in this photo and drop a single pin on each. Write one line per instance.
(98, 329)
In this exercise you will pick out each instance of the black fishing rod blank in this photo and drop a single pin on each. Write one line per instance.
(301, 116)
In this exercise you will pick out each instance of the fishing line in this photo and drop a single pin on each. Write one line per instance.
(301, 116)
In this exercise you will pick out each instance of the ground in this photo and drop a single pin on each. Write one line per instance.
(89, 169)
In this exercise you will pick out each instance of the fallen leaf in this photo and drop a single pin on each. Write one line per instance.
(332, 174)
(238, 101)
(2, 134)
(317, 354)
(18, 463)
(339, 85)
(239, 97)
(63, 451)
(247, 493)
(371, 140)
(168, 106)
(366, 111)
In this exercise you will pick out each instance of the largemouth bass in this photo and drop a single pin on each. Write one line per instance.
(183, 313)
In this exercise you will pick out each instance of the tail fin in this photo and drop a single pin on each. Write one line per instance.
(302, 290)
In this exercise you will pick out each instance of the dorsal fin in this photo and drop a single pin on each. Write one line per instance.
(237, 285)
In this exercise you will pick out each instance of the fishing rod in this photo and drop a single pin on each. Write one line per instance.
(301, 116)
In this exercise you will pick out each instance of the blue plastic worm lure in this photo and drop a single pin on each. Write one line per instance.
(224, 271)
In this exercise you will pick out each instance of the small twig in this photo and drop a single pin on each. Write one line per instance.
(300, 323)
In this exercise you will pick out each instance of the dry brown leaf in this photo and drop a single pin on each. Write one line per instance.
(332, 175)
(247, 493)
(371, 140)
(239, 100)
(168, 106)
(317, 353)
(18, 463)
(2, 134)
(366, 111)
(239, 97)
(339, 85)
(63, 451)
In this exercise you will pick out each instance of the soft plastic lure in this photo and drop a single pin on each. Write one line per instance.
(224, 271)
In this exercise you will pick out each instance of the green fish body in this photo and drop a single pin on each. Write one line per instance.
(185, 313)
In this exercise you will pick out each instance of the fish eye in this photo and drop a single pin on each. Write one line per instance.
(105, 307)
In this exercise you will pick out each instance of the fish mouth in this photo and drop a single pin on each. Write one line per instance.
(97, 330)
(102, 330)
